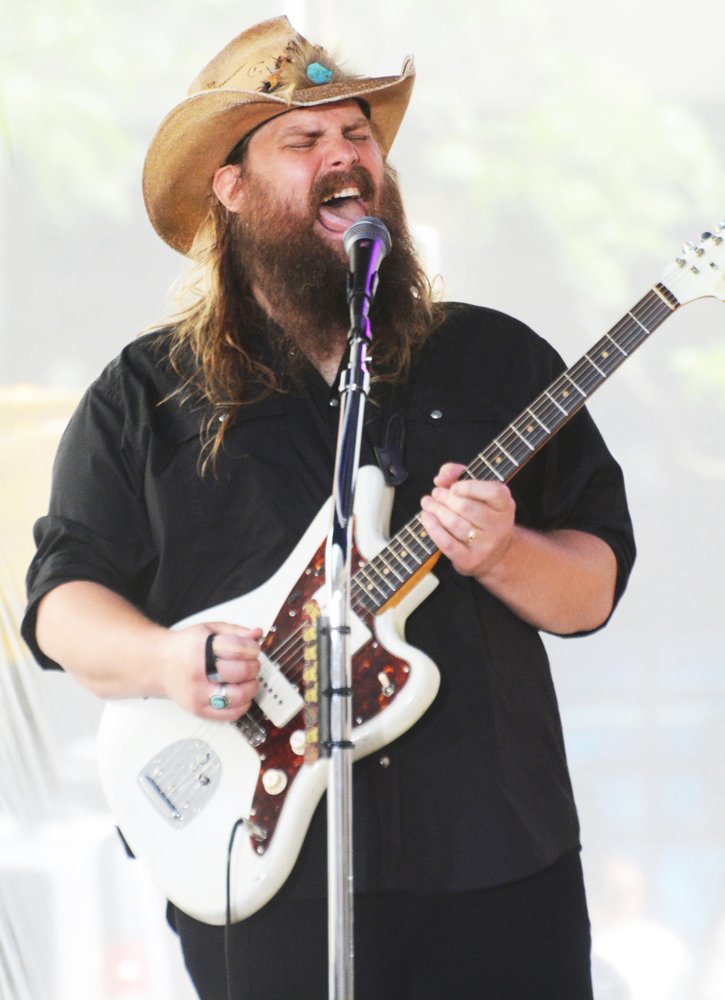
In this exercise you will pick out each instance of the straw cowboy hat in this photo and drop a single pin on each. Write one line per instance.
(260, 74)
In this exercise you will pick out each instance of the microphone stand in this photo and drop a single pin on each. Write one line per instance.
(366, 243)
(334, 655)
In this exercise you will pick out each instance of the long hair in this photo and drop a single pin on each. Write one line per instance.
(216, 341)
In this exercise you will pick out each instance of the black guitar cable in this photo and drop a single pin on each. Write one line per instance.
(228, 923)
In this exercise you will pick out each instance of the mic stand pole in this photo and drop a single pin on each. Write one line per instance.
(334, 657)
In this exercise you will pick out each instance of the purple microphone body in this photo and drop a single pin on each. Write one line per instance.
(366, 242)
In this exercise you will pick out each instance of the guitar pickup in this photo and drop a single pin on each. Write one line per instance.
(279, 698)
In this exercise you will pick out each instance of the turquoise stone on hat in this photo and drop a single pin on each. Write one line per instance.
(318, 73)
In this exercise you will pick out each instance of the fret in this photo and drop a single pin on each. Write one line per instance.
(367, 596)
(563, 393)
(589, 376)
(495, 472)
(516, 431)
(375, 581)
(639, 324)
(508, 456)
(370, 600)
(595, 366)
(569, 377)
(418, 537)
(388, 566)
(618, 346)
(557, 405)
(516, 445)
(538, 421)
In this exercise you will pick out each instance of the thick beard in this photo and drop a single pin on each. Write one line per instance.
(301, 276)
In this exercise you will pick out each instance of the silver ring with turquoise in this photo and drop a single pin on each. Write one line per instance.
(219, 700)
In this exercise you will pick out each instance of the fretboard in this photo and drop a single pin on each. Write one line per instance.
(380, 579)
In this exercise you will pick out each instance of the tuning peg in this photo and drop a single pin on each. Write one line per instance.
(693, 248)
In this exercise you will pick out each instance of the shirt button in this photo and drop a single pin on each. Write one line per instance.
(436, 414)
(334, 402)
(384, 761)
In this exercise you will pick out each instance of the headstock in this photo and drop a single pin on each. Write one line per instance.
(699, 271)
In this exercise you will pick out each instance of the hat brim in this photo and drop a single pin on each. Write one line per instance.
(197, 136)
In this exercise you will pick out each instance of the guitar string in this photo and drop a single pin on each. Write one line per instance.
(554, 405)
(585, 376)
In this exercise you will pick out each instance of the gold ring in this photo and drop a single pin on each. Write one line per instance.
(471, 536)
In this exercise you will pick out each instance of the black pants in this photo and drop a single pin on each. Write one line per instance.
(529, 940)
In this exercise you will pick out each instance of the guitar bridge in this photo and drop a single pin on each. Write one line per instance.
(179, 781)
(254, 732)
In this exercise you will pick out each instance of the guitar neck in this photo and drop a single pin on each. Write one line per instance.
(378, 581)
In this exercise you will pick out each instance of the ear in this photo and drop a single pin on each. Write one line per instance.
(227, 186)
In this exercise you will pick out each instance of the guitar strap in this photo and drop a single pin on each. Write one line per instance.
(391, 451)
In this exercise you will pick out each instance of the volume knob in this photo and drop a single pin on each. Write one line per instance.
(274, 781)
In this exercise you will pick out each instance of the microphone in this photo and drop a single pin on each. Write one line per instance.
(366, 242)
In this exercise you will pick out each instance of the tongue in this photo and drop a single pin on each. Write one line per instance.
(338, 216)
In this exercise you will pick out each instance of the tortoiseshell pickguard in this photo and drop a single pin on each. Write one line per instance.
(370, 695)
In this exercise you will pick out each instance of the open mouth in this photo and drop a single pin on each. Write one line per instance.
(341, 208)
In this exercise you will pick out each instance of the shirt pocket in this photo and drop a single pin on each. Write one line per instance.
(237, 484)
(448, 428)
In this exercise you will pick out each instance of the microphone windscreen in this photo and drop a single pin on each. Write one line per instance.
(367, 228)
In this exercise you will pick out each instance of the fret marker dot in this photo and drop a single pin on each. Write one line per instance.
(498, 460)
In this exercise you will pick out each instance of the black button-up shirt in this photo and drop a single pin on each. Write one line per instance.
(477, 791)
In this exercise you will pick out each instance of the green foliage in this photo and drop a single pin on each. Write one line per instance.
(79, 79)
(604, 165)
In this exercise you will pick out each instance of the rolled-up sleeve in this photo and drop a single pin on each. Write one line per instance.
(96, 528)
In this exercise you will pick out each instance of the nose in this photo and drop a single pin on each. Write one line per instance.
(341, 153)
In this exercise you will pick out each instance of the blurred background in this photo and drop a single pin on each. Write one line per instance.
(554, 158)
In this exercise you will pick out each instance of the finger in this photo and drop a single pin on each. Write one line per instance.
(456, 513)
(225, 632)
(456, 527)
(230, 700)
(461, 554)
(237, 670)
(448, 474)
(210, 660)
(231, 657)
(496, 496)
(223, 644)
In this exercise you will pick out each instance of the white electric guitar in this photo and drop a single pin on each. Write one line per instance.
(179, 785)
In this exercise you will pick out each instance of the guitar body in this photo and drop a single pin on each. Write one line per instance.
(177, 784)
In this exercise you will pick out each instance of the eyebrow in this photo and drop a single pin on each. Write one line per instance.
(292, 130)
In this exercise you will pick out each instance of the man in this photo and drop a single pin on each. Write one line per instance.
(195, 463)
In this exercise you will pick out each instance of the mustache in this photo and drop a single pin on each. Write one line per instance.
(336, 180)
